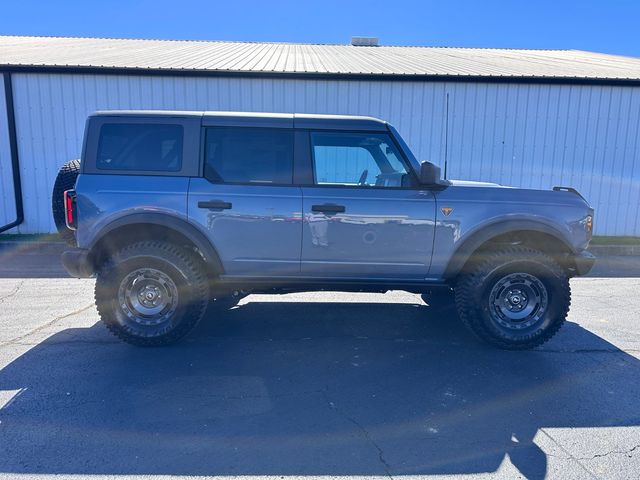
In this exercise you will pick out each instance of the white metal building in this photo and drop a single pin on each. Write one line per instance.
(528, 118)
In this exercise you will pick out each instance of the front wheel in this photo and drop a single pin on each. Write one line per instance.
(151, 293)
(516, 299)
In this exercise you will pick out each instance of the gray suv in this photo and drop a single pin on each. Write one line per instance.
(172, 210)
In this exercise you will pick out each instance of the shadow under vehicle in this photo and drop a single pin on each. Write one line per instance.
(289, 388)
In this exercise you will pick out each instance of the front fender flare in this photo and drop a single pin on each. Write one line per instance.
(478, 237)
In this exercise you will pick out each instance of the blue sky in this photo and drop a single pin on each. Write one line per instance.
(605, 26)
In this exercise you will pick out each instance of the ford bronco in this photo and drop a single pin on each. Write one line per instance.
(172, 210)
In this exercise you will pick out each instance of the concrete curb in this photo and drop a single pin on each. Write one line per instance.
(49, 248)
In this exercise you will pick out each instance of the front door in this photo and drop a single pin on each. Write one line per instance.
(246, 201)
(363, 219)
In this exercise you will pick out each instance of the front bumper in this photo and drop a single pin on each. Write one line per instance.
(77, 263)
(584, 262)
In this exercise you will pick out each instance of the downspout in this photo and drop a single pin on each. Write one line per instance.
(13, 149)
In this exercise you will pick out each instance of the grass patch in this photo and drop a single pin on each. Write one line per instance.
(610, 240)
(54, 237)
(30, 237)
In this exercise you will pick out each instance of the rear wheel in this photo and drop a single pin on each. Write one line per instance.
(152, 293)
(516, 299)
(66, 180)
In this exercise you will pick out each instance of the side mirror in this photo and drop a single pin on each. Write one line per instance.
(429, 173)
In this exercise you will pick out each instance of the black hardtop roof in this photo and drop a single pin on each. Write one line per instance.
(282, 120)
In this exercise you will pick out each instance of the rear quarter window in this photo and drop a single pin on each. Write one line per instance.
(143, 147)
(249, 155)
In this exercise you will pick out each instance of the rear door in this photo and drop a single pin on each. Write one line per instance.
(364, 218)
(246, 201)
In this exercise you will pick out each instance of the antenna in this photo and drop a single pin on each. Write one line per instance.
(446, 137)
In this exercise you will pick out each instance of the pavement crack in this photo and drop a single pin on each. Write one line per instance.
(569, 455)
(45, 325)
(612, 452)
(13, 292)
(589, 350)
(363, 430)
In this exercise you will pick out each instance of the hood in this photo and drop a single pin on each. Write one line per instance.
(554, 196)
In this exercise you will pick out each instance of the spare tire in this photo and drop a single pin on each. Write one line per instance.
(66, 180)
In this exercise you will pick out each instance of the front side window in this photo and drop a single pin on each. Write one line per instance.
(137, 146)
(249, 155)
(357, 159)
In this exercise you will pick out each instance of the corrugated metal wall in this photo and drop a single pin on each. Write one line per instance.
(534, 136)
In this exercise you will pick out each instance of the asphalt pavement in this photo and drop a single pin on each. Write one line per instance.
(316, 384)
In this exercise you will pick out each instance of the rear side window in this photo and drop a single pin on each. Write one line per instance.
(249, 155)
(137, 146)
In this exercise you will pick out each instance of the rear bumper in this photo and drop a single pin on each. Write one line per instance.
(584, 262)
(76, 262)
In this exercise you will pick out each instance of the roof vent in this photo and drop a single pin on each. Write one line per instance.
(364, 41)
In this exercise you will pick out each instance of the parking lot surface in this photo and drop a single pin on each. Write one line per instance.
(317, 384)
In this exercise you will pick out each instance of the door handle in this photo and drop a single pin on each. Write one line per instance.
(328, 208)
(215, 205)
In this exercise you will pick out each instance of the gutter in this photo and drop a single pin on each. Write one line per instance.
(13, 149)
(354, 76)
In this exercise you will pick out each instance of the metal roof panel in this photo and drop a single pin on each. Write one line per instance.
(288, 58)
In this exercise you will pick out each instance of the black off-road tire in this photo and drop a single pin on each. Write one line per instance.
(65, 180)
(475, 288)
(179, 265)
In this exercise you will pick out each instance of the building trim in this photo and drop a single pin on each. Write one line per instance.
(136, 71)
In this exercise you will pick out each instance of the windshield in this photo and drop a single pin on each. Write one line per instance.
(405, 148)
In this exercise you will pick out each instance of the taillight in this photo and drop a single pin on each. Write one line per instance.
(70, 209)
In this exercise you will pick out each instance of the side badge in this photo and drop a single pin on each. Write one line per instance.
(446, 211)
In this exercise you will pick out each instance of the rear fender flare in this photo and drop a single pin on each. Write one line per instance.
(186, 229)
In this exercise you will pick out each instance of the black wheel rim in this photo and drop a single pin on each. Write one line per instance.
(147, 297)
(518, 301)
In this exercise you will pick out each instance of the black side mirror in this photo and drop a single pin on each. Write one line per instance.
(429, 173)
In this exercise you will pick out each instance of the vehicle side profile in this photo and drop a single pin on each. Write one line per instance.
(171, 210)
